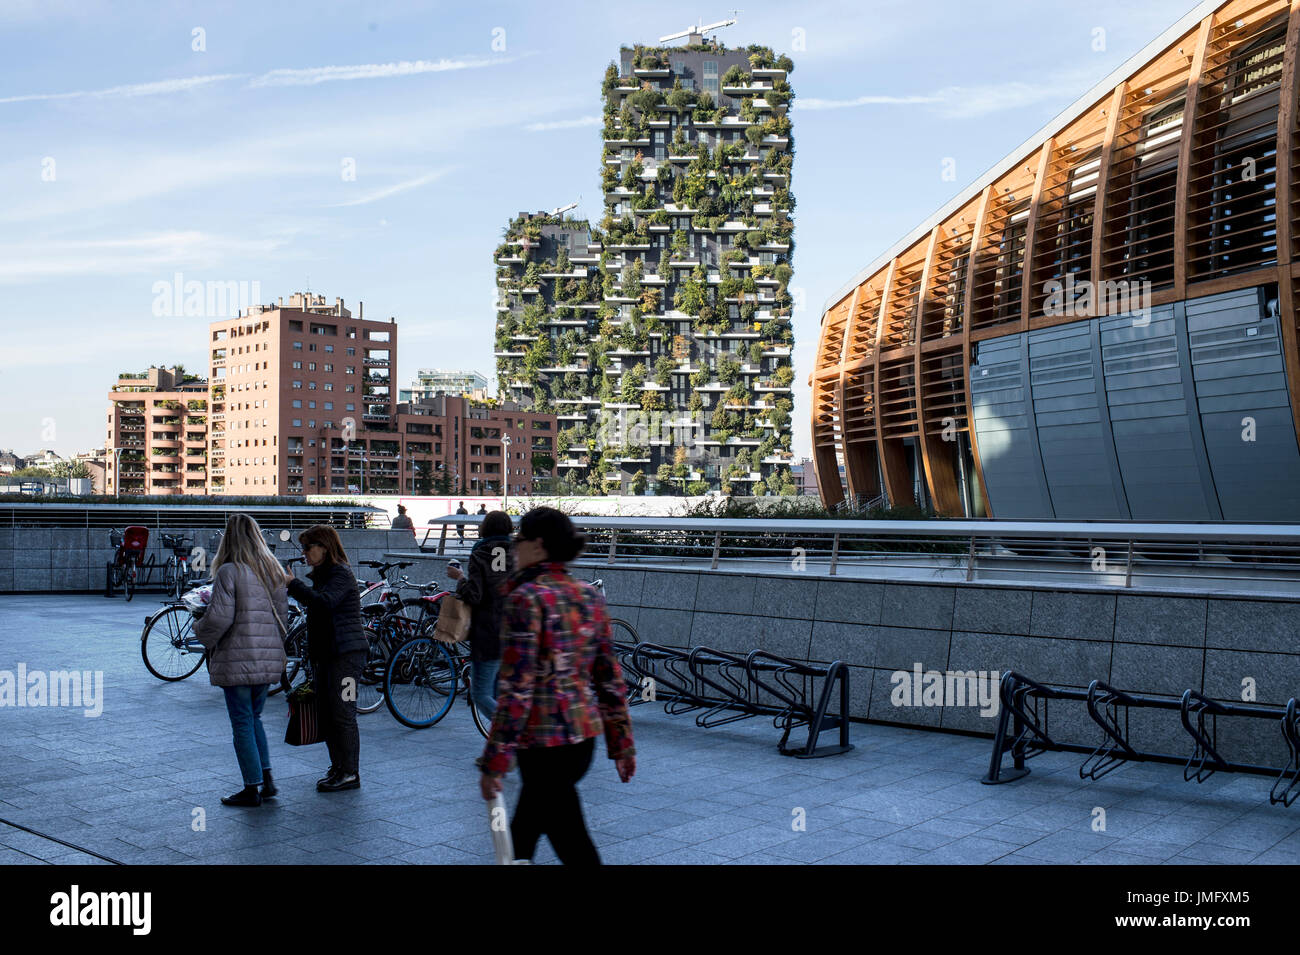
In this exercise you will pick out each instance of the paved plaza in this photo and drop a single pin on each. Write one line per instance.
(134, 784)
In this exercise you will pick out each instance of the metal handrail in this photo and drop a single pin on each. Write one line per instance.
(1257, 558)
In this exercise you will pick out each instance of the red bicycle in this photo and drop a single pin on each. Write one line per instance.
(131, 545)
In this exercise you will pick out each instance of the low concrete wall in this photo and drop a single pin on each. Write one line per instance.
(45, 559)
(1141, 643)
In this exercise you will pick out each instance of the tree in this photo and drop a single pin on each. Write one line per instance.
(422, 478)
(638, 482)
(697, 488)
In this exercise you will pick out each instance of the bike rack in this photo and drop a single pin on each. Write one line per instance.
(1022, 731)
(722, 687)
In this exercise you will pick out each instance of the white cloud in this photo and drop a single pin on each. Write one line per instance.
(813, 104)
(310, 76)
(956, 102)
(563, 124)
(35, 260)
(156, 88)
(399, 187)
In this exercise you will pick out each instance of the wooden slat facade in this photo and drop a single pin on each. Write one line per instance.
(1175, 179)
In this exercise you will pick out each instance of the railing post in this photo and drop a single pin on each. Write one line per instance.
(1128, 571)
(717, 548)
(613, 545)
(835, 553)
(442, 540)
(970, 560)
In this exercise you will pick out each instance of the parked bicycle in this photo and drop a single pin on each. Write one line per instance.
(176, 572)
(128, 559)
(425, 676)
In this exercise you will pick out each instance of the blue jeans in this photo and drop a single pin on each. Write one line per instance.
(244, 704)
(483, 686)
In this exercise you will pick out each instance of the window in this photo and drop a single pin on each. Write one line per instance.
(351, 406)
(297, 402)
(329, 386)
(297, 365)
(329, 406)
(350, 370)
(328, 367)
(351, 351)
(311, 404)
(311, 386)
(329, 349)
(297, 346)
(711, 77)
(311, 347)
(297, 384)
(311, 366)
(297, 422)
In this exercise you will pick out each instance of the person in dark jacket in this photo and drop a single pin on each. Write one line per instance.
(336, 643)
(490, 563)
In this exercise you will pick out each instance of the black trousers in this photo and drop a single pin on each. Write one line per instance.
(338, 708)
(549, 804)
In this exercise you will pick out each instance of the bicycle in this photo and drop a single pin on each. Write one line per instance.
(425, 675)
(176, 572)
(168, 646)
(131, 545)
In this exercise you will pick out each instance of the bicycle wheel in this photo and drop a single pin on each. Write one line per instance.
(370, 687)
(168, 646)
(169, 577)
(128, 585)
(419, 683)
(482, 722)
(294, 671)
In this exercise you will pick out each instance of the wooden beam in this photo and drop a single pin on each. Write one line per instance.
(939, 474)
(875, 375)
(981, 219)
(1031, 227)
(850, 322)
(825, 468)
(1185, 149)
(1114, 109)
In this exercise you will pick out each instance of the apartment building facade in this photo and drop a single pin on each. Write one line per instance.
(302, 403)
(157, 434)
(663, 339)
(439, 381)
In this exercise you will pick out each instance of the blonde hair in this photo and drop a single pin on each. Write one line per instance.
(244, 544)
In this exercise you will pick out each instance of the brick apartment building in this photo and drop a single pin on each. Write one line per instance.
(157, 434)
(302, 402)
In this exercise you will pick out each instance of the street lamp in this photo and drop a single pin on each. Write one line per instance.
(117, 473)
(505, 470)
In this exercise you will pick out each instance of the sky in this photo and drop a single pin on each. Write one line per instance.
(376, 151)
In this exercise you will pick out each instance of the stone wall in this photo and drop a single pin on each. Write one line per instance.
(73, 559)
(1141, 643)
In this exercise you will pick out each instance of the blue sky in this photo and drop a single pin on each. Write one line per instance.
(127, 156)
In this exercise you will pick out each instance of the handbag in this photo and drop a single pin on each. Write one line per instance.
(304, 717)
(453, 620)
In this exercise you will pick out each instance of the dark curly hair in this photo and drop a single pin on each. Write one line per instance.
(560, 538)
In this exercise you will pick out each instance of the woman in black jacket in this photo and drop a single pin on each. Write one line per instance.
(336, 643)
(490, 563)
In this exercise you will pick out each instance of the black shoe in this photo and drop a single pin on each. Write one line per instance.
(330, 775)
(268, 785)
(339, 783)
(248, 796)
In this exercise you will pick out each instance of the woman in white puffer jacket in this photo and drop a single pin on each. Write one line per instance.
(243, 628)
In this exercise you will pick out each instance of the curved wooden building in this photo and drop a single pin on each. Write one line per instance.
(1104, 326)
